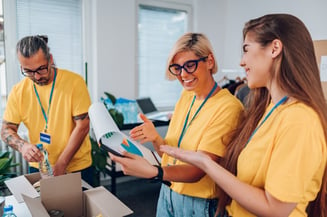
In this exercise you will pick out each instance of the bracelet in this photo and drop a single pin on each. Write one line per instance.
(159, 176)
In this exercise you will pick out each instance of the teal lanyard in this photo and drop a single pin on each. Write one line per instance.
(46, 115)
(185, 127)
(267, 116)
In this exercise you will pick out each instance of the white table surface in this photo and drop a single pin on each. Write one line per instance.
(20, 209)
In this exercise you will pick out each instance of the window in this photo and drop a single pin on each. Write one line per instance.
(61, 20)
(3, 92)
(158, 29)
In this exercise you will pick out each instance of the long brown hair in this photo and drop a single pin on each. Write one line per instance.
(298, 76)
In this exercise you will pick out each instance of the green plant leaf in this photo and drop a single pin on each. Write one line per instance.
(4, 154)
(117, 116)
(111, 97)
(5, 165)
(99, 157)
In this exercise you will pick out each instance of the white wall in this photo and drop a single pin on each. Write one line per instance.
(110, 35)
(210, 18)
(114, 40)
(312, 13)
(112, 52)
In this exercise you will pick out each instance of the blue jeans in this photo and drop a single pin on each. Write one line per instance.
(172, 204)
(87, 173)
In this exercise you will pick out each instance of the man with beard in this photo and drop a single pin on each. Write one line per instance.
(52, 103)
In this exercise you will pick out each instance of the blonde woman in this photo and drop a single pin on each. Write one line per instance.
(202, 116)
(275, 164)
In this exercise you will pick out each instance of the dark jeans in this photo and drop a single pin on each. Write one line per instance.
(87, 173)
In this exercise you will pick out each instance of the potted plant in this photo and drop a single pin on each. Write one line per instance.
(99, 161)
(99, 156)
(5, 170)
(115, 114)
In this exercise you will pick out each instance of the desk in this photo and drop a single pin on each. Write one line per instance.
(113, 170)
(20, 209)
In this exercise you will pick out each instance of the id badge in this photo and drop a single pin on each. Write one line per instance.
(45, 137)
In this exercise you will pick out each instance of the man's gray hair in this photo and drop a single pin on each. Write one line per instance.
(30, 45)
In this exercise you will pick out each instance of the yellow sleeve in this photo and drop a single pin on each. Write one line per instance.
(81, 98)
(297, 161)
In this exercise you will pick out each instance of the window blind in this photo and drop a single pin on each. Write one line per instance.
(61, 20)
(158, 30)
(2, 65)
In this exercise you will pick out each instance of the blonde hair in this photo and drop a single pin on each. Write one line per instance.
(198, 43)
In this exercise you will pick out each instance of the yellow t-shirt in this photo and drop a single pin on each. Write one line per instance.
(286, 157)
(70, 98)
(218, 116)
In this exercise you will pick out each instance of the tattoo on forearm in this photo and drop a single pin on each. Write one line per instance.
(10, 136)
(81, 117)
(20, 144)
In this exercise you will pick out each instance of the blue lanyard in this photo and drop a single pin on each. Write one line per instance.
(185, 127)
(267, 116)
(46, 115)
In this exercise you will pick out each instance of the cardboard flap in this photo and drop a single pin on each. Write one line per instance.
(320, 47)
(100, 201)
(63, 193)
(86, 185)
(35, 206)
(33, 177)
(20, 185)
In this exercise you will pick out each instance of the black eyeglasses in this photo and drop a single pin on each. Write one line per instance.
(189, 66)
(42, 70)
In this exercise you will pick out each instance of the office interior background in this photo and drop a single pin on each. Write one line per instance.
(121, 46)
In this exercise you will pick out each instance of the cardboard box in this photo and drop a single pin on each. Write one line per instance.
(65, 193)
(321, 50)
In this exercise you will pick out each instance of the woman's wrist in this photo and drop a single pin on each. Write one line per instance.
(160, 176)
(158, 141)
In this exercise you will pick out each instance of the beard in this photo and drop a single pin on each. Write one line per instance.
(42, 81)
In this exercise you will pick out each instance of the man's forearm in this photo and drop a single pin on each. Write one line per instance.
(76, 139)
(10, 137)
